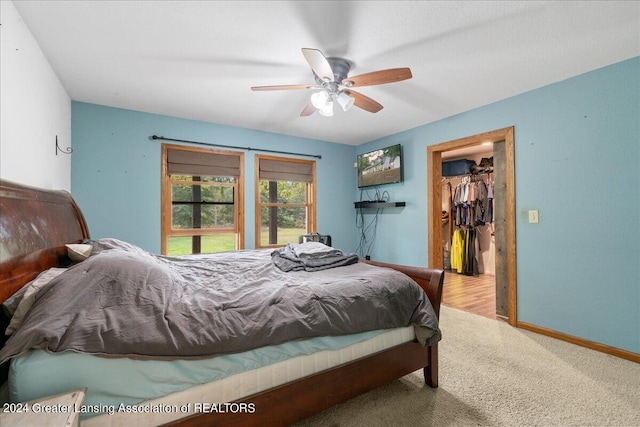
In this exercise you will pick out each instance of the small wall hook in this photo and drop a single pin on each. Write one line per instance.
(68, 150)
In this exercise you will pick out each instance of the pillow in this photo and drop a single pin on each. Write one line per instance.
(78, 252)
(10, 305)
(29, 297)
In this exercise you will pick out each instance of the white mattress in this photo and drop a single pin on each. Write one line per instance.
(200, 398)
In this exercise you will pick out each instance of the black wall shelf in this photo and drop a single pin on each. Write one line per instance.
(378, 205)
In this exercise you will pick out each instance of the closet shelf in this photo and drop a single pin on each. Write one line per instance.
(377, 205)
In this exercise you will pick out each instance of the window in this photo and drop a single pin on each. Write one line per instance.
(202, 201)
(285, 200)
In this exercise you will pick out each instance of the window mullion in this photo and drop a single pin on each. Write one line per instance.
(273, 213)
(196, 209)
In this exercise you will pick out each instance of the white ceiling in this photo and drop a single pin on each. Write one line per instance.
(198, 59)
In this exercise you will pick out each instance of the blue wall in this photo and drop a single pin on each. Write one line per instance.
(577, 149)
(115, 172)
(577, 160)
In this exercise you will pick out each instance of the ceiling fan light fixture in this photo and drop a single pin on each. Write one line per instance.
(323, 103)
(326, 110)
(320, 99)
(345, 101)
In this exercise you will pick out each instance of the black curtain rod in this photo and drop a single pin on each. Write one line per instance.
(317, 156)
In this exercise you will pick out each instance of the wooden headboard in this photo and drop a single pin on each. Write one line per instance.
(35, 225)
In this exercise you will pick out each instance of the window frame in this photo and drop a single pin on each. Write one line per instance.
(167, 230)
(310, 203)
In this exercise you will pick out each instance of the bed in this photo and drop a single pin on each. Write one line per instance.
(35, 226)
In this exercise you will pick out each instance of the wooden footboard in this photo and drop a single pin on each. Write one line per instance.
(431, 281)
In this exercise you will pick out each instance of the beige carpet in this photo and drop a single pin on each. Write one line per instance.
(492, 374)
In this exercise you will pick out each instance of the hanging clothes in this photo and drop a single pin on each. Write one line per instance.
(471, 206)
(463, 252)
(482, 202)
(470, 267)
(472, 203)
(457, 250)
(489, 210)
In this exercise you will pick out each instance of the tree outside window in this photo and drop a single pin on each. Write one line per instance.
(285, 201)
(201, 201)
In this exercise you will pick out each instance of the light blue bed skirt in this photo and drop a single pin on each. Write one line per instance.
(112, 381)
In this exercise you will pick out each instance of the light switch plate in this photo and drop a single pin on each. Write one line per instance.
(533, 217)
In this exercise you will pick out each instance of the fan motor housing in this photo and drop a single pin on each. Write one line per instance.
(340, 68)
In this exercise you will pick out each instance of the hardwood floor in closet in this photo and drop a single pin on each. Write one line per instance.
(468, 293)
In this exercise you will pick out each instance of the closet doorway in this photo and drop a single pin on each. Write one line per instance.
(504, 211)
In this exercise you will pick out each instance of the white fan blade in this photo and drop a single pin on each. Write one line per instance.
(318, 63)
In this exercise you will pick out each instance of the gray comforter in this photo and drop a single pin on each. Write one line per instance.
(123, 301)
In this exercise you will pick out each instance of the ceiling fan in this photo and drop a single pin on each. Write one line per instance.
(333, 83)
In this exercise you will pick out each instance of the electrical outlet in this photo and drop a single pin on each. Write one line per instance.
(533, 217)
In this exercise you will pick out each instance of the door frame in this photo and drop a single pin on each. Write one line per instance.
(434, 201)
